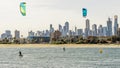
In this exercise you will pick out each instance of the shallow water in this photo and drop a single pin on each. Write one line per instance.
(57, 58)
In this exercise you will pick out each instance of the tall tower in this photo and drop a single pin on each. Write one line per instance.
(60, 28)
(94, 29)
(115, 24)
(87, 29)
(67, 26)
(75, 30)
(105, 31)
(51, 29)
(100, 30)
(88, 24)
(109, 27)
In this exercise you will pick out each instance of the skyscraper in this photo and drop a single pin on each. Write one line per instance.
(109, 27)
(80, 32)
(90, 33)
(94, 29)
(60, 28)
(17, 34)
(67, 26)
(88, 24)
(75, 30)
(100, 30)
(51, 29)
(115, 24)
(87, 28)
(64, 33)
(105, 31)
(8, 33)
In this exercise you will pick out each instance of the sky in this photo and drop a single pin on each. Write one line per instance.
(41, 13)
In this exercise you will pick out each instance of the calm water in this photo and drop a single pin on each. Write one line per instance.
(57, 58)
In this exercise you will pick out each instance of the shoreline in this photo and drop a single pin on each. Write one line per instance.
(60, 45)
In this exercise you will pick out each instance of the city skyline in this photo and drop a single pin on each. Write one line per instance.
(94, 30)
(40, 12)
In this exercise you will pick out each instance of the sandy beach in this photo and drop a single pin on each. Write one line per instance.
(60, 45)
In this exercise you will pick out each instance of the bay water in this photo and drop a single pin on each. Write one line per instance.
(57, 57)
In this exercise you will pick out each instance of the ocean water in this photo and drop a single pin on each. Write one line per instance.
(56, 57)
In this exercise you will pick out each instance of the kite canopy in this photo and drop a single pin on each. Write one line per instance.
(84, 12)
(23, 8)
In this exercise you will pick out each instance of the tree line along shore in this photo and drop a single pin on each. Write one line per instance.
(64, 40)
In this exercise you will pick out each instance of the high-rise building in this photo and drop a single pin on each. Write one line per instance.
(64, 33)
(80, 32)
(67, 26)
(47, 33)
(51, 28)
(118, 32)
(115, 24)
(60, 28)
(87, 28)
(94, 30)
(70, 33)
(100, 30)
(17, 34)
(65, 30)
(90, 33)
(8, 33)
(88, 24)
(109, 27)
(75, 30)
(105, 31)
(3, 36)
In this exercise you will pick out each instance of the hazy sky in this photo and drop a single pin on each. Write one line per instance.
(42, 13)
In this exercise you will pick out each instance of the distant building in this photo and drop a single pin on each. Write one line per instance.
(47, 34)
(115, 24)
(51, 29)
(118, 32)
(3, 36)
(17, 34)
(105, 31)
(8, 33)
(70, 33)
(109, 27)
(76, 31)
(64, 33)
(88, 24)
(94, 30)
(55, 35)
(87, 28)
(100, 30)
(67, 26)
(60, 28)
(39, 33)
(80, 32)
(65, 30)
(31, 33)
(90, 33)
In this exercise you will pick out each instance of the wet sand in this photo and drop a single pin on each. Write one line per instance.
(60, 45)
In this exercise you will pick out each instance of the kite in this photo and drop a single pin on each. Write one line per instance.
(23, 8)
(84, 12)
